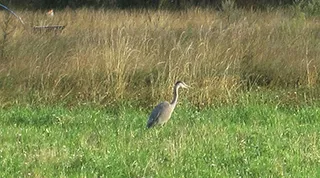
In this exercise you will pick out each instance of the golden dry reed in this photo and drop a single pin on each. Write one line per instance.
(107, 56)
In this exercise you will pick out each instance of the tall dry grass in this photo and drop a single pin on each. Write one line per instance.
(109, 56)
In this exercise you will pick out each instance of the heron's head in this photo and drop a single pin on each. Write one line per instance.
(181, 84)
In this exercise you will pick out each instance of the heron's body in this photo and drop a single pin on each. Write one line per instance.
(162, 112)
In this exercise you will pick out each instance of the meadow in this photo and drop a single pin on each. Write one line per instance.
(75, 103)
(246, 140)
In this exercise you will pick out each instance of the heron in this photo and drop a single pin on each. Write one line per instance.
(162, 112)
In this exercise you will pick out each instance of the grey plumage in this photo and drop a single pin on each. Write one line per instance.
(162, 112)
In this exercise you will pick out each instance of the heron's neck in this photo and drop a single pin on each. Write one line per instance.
(175, 96)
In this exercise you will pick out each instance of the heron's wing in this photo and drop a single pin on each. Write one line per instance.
(156, 113)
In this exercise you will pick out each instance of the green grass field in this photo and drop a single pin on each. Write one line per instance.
(244, 140)
(75, 104)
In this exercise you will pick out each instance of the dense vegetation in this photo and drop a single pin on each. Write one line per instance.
(171, 4)
(106, 57)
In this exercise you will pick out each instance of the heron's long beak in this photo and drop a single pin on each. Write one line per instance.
(187, 86)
